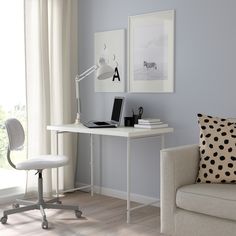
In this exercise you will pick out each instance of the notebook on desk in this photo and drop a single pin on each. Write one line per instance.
(115, 116)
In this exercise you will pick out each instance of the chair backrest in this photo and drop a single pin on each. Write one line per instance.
(16, 134)
(16, 137)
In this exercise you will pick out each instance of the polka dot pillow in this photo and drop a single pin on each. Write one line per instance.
(217, 150)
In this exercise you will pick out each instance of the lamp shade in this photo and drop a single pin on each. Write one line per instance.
(104, 72)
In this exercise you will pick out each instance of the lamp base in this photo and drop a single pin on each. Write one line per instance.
(77, 119)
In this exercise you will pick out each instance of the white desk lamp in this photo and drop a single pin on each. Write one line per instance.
(104, 71)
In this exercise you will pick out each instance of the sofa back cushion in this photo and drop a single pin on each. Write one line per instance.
(217, 150)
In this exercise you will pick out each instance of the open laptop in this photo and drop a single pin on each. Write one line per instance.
(115, 116)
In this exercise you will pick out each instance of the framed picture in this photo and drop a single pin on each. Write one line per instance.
(110, 48)
(151, 52)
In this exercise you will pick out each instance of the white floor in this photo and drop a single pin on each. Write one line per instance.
(102, 216)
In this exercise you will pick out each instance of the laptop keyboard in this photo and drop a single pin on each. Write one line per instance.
(101, 123)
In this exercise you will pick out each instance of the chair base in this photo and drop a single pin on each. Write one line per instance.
(54, 203)
(41, 207)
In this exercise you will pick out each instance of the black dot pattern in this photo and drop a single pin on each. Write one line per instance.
(217, 150)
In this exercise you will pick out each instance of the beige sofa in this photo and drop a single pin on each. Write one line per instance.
(189, 209)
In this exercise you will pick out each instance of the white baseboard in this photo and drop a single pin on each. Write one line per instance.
(122, 195)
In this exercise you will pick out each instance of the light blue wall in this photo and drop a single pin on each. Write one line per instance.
(205, 81)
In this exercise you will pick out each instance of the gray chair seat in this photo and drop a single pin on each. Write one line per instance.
(43, 162)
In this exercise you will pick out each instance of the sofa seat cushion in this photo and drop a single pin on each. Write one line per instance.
(217, 200)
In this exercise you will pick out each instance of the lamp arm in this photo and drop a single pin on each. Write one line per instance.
(78, 78)
(86, 73)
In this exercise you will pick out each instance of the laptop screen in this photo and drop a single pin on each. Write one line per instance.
(117, 109)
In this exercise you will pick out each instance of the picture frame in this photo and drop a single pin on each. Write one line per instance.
(110, 46)
(151, 52)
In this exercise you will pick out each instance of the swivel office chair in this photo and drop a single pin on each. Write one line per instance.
(16, 138)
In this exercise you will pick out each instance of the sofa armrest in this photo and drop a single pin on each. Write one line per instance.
(179, 166)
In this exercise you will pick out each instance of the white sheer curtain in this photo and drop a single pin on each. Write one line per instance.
(51, 65)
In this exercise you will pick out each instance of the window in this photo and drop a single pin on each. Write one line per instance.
(12, 89)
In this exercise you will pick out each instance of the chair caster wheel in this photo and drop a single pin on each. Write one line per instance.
(45, 224)
(78, 213)
(4, 220)
(15, 205)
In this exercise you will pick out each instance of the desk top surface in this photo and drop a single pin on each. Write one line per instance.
(119, 132)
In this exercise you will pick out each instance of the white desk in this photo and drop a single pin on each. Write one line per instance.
(126, 132)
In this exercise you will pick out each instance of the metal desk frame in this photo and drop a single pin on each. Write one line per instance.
(129, 133)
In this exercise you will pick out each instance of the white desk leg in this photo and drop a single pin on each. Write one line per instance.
(57, 170)
(100, 164)
(91, 163)
(128, 180)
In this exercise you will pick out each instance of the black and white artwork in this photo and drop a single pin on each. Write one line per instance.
(151, 52)
(110, 49)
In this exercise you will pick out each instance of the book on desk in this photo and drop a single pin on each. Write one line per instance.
(150, 123)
